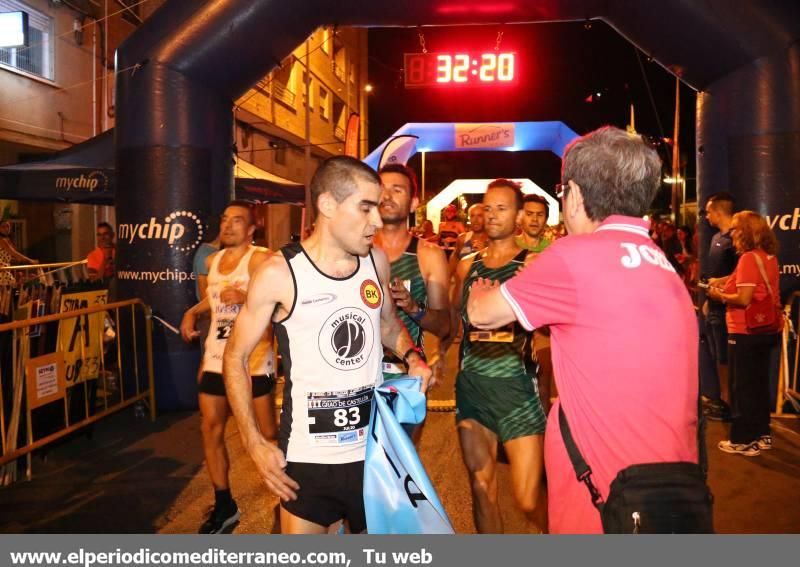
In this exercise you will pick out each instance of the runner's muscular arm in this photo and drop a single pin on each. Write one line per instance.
(261, 255)
(394, 334)
(433, 264)
(457, 296)
(202, 280)
(202, 285)
(269, 287)
(455, 257)
(188, 330)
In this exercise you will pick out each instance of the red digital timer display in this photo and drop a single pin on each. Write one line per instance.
(446, 69)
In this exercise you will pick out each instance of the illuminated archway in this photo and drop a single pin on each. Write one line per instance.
(477, 186)
(550, 136)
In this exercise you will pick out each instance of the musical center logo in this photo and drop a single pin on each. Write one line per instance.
(346, 339)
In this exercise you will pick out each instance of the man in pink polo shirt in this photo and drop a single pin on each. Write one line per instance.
(624, 336)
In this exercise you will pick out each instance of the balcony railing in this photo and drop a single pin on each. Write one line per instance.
(283, 94)
(338, 70)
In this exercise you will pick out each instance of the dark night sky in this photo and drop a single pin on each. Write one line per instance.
(560, 64)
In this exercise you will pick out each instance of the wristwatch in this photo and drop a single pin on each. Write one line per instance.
(417, 317)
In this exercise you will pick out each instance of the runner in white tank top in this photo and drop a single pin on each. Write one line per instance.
(229, 272)
(332, 311)
(328, 344)
(223, 316)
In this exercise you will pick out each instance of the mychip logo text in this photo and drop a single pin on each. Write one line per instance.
(181, 230)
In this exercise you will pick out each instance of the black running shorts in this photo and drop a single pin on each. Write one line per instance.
(329, 493)
(211, 383)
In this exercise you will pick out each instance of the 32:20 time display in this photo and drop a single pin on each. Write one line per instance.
(438, 69)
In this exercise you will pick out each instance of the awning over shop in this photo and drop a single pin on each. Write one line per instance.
(255, 184)
(85, 174)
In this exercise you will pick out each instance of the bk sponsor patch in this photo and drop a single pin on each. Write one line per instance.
(371, 294)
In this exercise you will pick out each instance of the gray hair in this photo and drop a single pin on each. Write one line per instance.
(617, 172)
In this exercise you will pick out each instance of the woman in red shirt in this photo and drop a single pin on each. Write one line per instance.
(748, 350)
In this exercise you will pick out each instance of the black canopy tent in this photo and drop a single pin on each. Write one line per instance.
(85, 174)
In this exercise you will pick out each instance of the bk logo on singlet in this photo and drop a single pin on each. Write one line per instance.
(371, 294)
(346, 338)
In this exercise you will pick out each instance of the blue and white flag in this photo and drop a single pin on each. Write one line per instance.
(398, 150)
(398, 495)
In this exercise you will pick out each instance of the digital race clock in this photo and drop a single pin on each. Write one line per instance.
(446, 69)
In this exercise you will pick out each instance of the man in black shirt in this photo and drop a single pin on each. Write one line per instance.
(720, 262)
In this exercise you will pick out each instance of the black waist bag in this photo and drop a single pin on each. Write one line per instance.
(652, 498)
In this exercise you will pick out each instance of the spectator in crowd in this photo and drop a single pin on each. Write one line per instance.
(627, 400)
(687, 257)
(450, 228)
(472, 240)
(656, 228)
(720, 262)
(426, 232)
(199, 265)
(100, 261)
(534, 240)
(671, 246)
(755, 278)
(553, 233)
(9, 254)
(534, 224)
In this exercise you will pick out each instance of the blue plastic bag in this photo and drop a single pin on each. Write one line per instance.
(398, 495)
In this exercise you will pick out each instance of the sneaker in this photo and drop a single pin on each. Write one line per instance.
(716, 410)
(220, 521)
(745, 449)
(765, 442)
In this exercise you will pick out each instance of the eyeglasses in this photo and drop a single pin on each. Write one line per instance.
(561, 190)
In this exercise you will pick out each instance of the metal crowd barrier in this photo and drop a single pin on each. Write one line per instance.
(45, 273)
(790, 347)
(34, 387)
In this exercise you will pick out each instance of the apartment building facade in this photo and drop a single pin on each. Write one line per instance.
(56, 92)
(298, 114)
(59, 91)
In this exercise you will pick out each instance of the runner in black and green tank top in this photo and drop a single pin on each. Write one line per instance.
(498, 353)
(406, 269)
(419, 278)
(496, 398)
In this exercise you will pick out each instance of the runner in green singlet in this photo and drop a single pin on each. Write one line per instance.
(419, 268)
(496, 398)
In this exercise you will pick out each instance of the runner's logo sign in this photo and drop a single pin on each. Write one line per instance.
(182, 230)
(471, 136)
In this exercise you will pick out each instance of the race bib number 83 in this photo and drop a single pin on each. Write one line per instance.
(339, 418)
